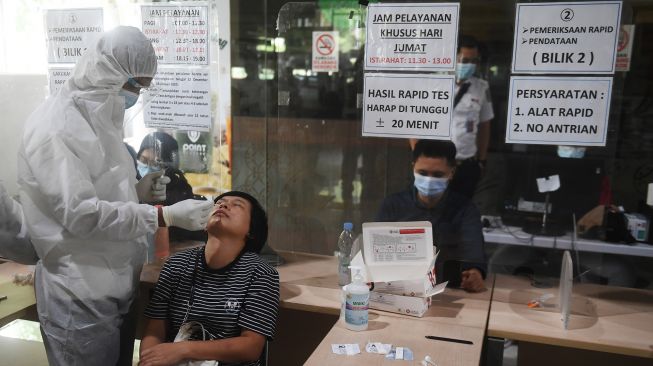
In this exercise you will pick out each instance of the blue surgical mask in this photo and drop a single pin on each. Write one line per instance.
(573, 152)
(430, 186)
(144, 169)
(465, 71)
(130, 98)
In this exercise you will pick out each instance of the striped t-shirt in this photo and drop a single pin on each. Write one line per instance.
(244, 294)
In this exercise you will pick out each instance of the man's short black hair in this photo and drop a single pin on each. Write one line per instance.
(436, 149)
(258, 222)
(467, 42)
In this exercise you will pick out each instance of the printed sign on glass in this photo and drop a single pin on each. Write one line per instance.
(70, 31)
(411, 36)
(558, 110)
(325, 51)
(182, 100)
(625, 47)
(566, 38)
(57, 77)
(179, 33)
(408, 105)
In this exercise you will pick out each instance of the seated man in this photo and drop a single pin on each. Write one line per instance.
(223, 285)
(457, 229)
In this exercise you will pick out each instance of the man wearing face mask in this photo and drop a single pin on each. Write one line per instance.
(457, 230)
(471, 118)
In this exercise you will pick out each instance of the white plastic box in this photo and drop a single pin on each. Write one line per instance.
(407, 305)
(399, 258)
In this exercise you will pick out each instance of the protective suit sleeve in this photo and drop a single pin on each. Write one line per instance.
(65, 182)
(14, 243)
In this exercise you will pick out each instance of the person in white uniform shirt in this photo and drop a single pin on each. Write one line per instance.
(471, 118)
(80, 200)
(472, 114)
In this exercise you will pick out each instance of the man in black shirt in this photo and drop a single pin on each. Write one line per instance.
(224, 285)
(457, 229)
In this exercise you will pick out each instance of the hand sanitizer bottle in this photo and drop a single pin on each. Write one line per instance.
(357, 297)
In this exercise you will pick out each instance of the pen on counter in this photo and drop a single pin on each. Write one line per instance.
(3, 298)
(449, 339)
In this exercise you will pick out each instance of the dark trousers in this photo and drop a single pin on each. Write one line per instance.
(466, 177)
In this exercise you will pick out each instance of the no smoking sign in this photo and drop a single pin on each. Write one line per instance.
(325, 44)
(325, 52)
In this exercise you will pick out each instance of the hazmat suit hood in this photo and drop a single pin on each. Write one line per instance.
(119, 54)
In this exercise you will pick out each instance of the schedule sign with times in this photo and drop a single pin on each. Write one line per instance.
(179, 33)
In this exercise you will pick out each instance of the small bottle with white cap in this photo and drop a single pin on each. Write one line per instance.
(357, 297)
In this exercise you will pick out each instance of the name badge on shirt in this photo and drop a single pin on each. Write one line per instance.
(469, 125)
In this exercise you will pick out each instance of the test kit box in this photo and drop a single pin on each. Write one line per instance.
(407, 305)
(399, 258)
(420, 287)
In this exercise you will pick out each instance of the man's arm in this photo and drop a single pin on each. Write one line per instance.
(245, 348)
(472, 251)
(483, 140)
(155, 333)
(485, 116)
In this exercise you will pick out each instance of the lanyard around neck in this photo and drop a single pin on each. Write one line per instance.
(192, 286)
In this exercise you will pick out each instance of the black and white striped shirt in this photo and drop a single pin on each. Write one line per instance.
(244, 294)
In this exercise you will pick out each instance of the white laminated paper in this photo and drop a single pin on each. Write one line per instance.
(346, 349)
(559, 110)
(378, 347)
(325, 51)
(566, 37)
(411, 36)
(183, 100)
(408, 105)
(179, 32)
(548, 184)
(70, 31)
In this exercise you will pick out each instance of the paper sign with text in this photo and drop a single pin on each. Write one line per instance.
(57, 77)
(566, 38)
(70, 31)
(558, 110)
(411, 36)
(179, 33)
(182, 102)
(625, 47)
(408, 105)
(325, 51)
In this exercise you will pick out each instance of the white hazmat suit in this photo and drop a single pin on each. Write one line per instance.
(77, 186)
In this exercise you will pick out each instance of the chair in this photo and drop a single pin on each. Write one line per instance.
(264, 355)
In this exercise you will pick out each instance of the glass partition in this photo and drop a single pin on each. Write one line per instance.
(298, 136)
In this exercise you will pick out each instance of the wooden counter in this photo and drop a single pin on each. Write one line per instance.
(605, 319)
(310, 283)
(20, 299)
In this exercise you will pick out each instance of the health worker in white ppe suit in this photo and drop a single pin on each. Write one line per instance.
(81, 204)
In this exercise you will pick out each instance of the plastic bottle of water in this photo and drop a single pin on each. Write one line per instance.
(345, 242)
